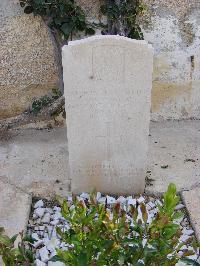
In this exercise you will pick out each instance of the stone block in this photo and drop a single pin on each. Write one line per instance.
(191, 199)
(15, 207)
(108, 82)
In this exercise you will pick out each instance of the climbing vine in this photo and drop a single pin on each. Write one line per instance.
(64, 17)
(122, 17)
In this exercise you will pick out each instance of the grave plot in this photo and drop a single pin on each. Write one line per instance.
(48, 220)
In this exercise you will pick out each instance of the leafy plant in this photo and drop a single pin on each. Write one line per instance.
(99, 236)
(45, 101)
(122, 16)
(11, 256)
(118, 235)
(64, 17)
(38, 104)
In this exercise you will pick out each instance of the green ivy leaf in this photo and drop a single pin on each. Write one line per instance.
(29, 239)
(67, 29)
(89, 31)
(82, 259)
(29, 255)
(28, 10)
(56, 258)
(5, 240)
(14, 238)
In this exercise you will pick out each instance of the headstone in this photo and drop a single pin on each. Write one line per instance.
(108, 83)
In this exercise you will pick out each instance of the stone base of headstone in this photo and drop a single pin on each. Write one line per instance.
(108, 82)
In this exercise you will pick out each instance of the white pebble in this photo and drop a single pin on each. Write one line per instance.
(141, 199)
(72, 207)
(131, 202)
(66, 226)
(57, 215)
(154, 211)
(144, 242)
(52, 244)
(110, 200)
(44, 254)
(188, 232)
(46, 218)
(35, 236)
(193, 257)
(85, 195)
(139, 217)
(39, 263)
(54, 222)
(39, 212)
(38, 243)
(57, 209)
(63, 245)
(102, 200)
(38, 221)
(69, 198)
(150, 218)
(64, 248)
(179, 207)
(54, 233)
(52, 254)
(121, 199)
(151, 205)
(34, 216)
(49, 210)
(41, 228)
(49, 229)
(184, 238)
(39, 204)
(37, 255)
(180, 254)
(98, 196)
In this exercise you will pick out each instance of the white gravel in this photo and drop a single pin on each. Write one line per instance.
(44, 220)
(39, 204)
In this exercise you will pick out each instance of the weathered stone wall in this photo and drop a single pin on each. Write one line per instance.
(28, 68)
(174, 30)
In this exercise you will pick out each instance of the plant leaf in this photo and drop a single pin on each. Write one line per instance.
(28, 10)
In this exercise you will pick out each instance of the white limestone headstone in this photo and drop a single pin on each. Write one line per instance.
(108, 82)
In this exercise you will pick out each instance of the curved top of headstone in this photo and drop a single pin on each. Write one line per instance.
(108, 38)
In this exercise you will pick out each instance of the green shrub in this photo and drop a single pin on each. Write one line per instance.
(99, 237)
(13, 256)
(44, 101)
